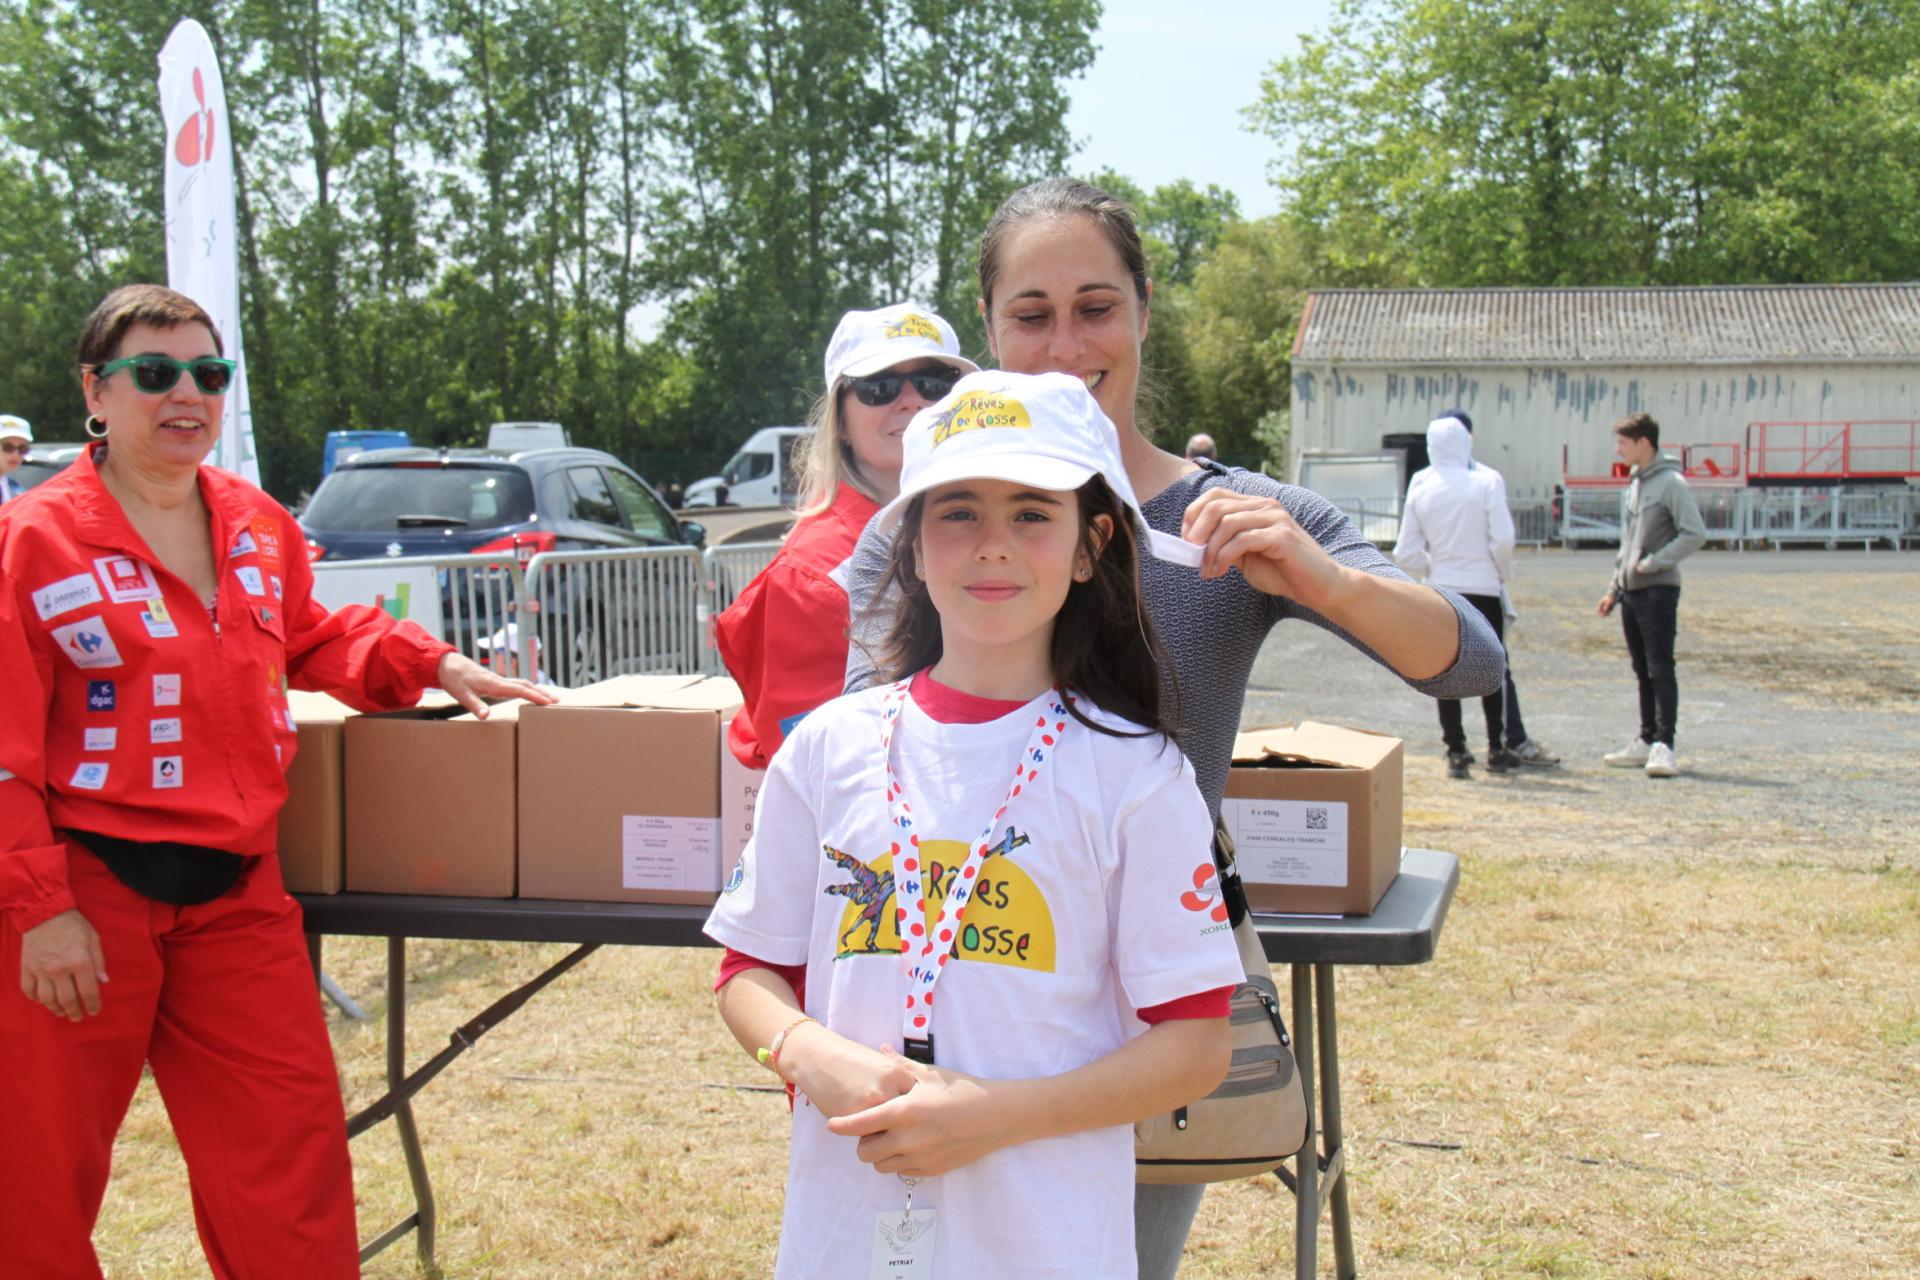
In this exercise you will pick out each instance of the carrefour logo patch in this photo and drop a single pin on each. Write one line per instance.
(913, 325)
(977, 410)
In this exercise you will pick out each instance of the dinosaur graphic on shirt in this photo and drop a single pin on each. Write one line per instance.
(871, 891)
(1007, 918)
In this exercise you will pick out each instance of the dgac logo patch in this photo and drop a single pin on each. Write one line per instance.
(978, 410)
(100, 695)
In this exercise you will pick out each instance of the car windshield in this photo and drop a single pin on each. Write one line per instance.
(375, 499)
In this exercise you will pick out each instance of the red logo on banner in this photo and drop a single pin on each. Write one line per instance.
(194, 143)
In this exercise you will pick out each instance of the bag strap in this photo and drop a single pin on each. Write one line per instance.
(1232, 892)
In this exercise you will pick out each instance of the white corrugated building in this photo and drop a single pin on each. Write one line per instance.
(1543, 369)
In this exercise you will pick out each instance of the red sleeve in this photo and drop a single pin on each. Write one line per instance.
(359, 654)
(33, 865)
(785, 644)
(1216, 1003)
(734, 963)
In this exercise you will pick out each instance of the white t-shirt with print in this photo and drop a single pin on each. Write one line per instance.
(1080, 924)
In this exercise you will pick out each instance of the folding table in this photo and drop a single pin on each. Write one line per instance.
(1404, 929)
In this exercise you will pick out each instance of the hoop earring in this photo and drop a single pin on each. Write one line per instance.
(97, 434)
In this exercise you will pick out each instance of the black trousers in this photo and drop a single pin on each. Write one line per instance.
(1650, 617)
(1451, 730)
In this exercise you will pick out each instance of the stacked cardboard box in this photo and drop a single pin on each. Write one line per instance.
(312, 825)
(620, 792)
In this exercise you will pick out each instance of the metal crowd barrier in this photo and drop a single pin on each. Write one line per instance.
(482, 598)
(1377, 519)
(1592, 515)
(1532, 521)
(631, 611)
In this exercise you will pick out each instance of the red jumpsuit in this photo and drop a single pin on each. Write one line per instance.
(133, 712)
(785, 639)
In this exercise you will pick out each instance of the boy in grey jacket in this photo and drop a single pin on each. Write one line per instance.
(1663, 527)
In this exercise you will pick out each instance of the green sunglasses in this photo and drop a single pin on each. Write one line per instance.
(157, 374)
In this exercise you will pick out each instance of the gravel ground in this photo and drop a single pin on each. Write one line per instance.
(1799, 682)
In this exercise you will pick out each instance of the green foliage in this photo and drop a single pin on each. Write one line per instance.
(453, 211)
(1586, 142)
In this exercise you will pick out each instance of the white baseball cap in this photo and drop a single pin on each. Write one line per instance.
(866, 342)
(1042, 429)
(14, 428)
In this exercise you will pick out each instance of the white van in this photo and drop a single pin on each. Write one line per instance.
(516, 437)
(761, 474)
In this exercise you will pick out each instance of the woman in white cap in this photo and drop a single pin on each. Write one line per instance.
(1064, 288)
(16, 437)
(785, 638)
(1013, 802)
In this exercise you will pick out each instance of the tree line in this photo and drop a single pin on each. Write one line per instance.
(453, 211)
(457, 211)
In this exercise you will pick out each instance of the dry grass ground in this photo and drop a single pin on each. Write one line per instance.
(1673, 1029)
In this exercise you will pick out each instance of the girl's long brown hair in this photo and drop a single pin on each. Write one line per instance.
(1104, 648)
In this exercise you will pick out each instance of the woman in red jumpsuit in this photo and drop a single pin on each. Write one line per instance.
(784, 639)
(153, 612)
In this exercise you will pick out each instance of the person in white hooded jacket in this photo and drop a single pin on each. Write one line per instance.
(1456, 533)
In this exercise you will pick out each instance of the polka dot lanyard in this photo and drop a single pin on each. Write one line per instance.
(918, 943)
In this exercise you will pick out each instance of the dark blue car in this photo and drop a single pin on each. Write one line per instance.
(426, 502)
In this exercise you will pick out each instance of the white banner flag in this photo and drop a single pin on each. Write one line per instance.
(202, 237)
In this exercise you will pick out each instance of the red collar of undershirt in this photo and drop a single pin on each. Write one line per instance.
(950, 706)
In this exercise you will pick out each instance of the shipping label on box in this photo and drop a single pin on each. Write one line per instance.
(1289, 841)
(667, 853)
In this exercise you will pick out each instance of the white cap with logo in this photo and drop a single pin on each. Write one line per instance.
(866, 342)
(12, 428)
(1043, 429)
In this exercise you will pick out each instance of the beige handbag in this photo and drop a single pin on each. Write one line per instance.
(1257, 1118)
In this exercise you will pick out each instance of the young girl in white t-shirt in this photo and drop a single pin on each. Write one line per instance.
(1014, 809)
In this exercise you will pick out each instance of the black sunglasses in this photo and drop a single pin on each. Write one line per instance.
(884, 388)
(157, 374)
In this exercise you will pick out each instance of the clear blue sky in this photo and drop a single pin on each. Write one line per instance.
(1163, 98)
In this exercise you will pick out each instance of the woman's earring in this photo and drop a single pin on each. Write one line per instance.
(96, 427)
(1083, 572)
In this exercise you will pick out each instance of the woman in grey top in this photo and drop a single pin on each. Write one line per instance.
(1064, 288)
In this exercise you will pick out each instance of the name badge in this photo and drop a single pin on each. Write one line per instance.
(902, 1245)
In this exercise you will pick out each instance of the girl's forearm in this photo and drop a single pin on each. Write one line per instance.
(1173, 1064)
(1412, 627)
(755, 1005)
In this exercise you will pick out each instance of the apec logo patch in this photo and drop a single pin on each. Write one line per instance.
(59, 597)
(90, 776)
(87, 643)
(101, 695)
(127, 579)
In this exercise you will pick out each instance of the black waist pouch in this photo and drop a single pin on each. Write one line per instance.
(181, 875)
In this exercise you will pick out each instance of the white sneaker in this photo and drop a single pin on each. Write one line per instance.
(1631, 756)
(1660, 761)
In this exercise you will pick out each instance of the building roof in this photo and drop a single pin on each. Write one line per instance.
(1734, 324)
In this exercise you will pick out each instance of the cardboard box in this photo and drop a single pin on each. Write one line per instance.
(312, 840)
(620, 791)
(1314, 811)
(432, 802)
